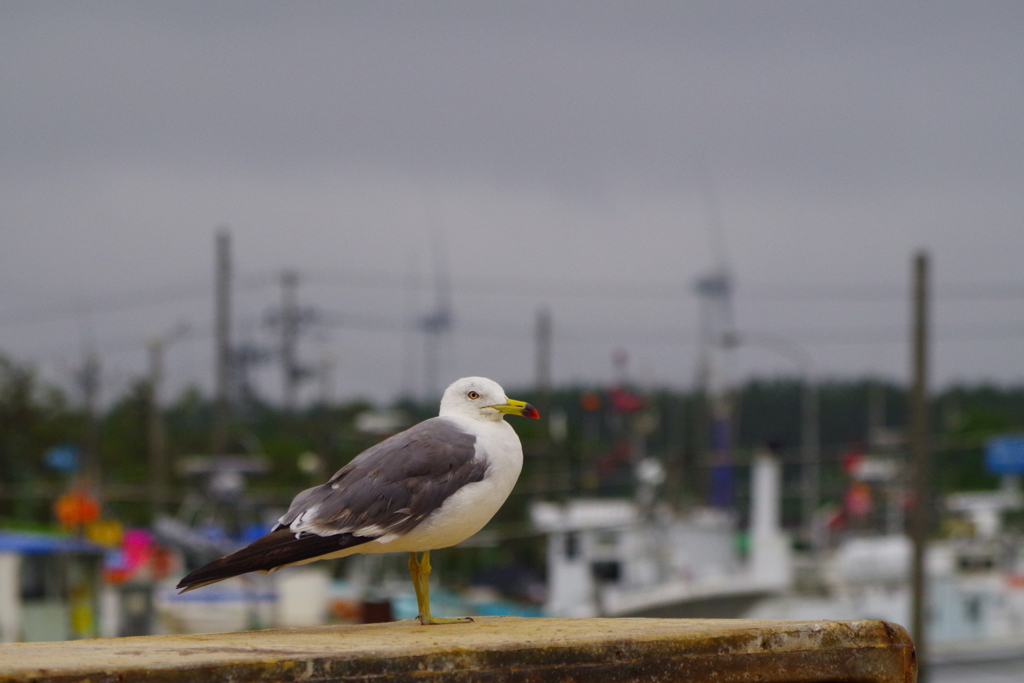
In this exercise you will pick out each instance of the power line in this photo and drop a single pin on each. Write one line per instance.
(895, 292)
(607, 334)
(76, 307)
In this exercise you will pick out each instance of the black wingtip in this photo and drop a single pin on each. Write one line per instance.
(204, 576)
(277, 549)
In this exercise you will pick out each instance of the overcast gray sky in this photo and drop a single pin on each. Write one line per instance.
(594, 158)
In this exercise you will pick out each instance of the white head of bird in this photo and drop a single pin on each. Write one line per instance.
(479, 398)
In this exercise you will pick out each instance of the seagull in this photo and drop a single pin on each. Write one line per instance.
(432, 486)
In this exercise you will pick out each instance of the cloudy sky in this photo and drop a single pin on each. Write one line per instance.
(590, 158)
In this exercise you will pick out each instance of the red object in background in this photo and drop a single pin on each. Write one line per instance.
(162, 562)
(591, 401)
(116, 575)
(858, 499)
(851, 460)
(620, 453)
(137, 546)
(76, 508)
(625, 401)
(836, 520)
(139, 553)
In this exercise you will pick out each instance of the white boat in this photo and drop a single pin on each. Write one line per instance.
(975, 584)
(616, 557)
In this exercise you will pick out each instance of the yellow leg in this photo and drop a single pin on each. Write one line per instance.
(420, 572)
(414, 572)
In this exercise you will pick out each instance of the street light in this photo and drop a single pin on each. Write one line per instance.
(810, 455)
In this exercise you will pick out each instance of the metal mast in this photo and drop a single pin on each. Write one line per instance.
(716, 335)
(222, 353)
(292, 321)
(436, 325)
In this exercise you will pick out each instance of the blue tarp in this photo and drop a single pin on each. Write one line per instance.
(1005, 455)
(41, 544)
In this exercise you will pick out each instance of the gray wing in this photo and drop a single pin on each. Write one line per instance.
(391, 487)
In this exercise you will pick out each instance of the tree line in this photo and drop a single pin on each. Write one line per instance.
(587, 444)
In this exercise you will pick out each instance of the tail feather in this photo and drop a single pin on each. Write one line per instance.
(275, 550)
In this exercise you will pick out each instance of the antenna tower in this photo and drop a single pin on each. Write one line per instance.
(717, 338)
(291, 320)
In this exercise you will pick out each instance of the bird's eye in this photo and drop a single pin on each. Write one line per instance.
(473, 395)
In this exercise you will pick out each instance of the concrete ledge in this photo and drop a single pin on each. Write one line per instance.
(491, 649)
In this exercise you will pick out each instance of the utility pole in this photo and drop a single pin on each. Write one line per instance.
(542, 332)
(810, 455)
(89, 382)
(156, 436)
(920, 460)
(411, 326)
(435, 326)
(290, 319)
(325, 376)
(222, 354)
(155, 430)
(876, 412)
(542, 380)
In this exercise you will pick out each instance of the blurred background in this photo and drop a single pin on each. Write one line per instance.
(241, 244)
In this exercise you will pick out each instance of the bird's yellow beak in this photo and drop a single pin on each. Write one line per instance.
(514, 407)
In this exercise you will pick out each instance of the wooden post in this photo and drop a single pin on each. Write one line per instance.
(920, 461)
(290, 321)
(156, 436)
(222, 355)
(551, 478)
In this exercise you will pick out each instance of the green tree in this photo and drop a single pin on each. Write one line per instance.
(33, 419)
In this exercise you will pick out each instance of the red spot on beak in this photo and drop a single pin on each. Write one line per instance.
(530, 411)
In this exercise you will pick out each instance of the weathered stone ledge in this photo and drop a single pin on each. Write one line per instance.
(494, 649)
